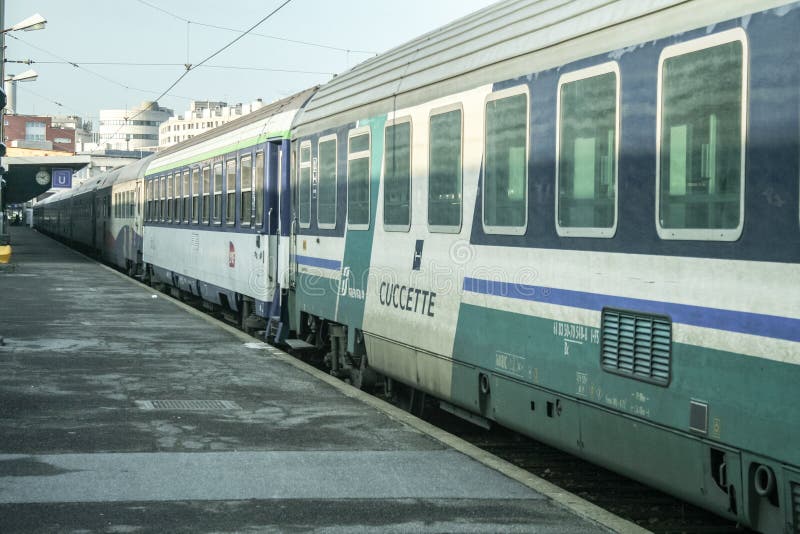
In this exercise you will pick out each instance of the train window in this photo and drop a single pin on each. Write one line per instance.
(505, 184)
(304, 186)
(176, 198)
(216, 214)
(246, 172)
(444, 171)
(148, 189)
(701, 135)
(326, 182)
(230, 193)
(162, 205)
(187, 207)
(259, 188)
(358, 177)
(206, 194)
(195, 215)
(170, 195)
(587, 152)
(397, 176)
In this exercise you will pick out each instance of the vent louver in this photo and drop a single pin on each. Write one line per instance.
(796, 506)
(637, 345)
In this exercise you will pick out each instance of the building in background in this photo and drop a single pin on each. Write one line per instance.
(83, 129)
(131, 129)
(202, 115)
(34, 132)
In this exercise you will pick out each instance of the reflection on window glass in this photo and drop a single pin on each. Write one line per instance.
(230, 193)
(444, 178)
(505, 174)
(397, 183)
(358, 180)
(162, 213)
(246, 170)
(304, 190)
(701, 139)
(216, 215)
(176, 198)
(326, 197)
(587, 155)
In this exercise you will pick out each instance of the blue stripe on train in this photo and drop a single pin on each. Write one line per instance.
(734, 321)
(319, 262)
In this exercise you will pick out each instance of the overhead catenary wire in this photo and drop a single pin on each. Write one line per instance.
(138, 64)
(286, 39)
(190, 67)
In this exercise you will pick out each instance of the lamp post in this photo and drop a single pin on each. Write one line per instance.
(34, 22)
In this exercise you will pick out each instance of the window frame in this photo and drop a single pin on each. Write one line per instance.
(186, 180)
(259, 188)
(491, 97)
(574, 76)
(445, 229)
(399, 227)
(205, 211)
(242, 189)
(695, 45)
(324, 139)
(216, 214)
(300, 167)
(230, 218)
(357, 132)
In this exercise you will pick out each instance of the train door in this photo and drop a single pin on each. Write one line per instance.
(273, 213)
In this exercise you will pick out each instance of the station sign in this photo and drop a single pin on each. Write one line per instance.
(62, 178)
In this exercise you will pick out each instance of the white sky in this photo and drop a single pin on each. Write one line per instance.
(85, 31)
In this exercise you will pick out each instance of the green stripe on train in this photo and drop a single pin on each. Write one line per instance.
(246, 143)
(554, 356)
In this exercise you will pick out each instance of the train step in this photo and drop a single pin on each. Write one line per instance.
(298, 344)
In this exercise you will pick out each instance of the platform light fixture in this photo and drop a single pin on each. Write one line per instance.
(34, 22)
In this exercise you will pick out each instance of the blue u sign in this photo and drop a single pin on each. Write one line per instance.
(62, 178)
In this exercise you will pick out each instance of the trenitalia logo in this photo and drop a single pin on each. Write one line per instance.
(408, 299)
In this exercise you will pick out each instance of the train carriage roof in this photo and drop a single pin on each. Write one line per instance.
(500, 42)
(267, 118)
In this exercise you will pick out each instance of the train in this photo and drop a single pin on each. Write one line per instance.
(578, 220)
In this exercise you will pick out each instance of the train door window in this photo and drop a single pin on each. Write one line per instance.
(246, 201)
(587, 149)
(701, 120)
(206, 194)
(505, 184)
(397, 176)
(116, 205)
(304, 185)
(151, 211)
(444, 170)
(162, 209)
(148, 189)
(259, 188)
(358, 177)
(326, 183)
(230, 194)
(216, 214)
(187, 208)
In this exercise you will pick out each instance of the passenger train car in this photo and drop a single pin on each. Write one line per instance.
(576, 219)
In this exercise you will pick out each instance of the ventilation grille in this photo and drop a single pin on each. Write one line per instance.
(637, 345)
(796, 506)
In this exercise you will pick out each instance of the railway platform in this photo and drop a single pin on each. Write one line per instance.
(122, 410)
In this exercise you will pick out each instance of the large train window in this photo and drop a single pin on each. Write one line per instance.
(230, 194)
(444, 170)
(148, 191)
(187, 207)
(259, 188)
(505, 184)
(397, 175)
(358, 177)
(206, 194)
(702, 93)
(304, 185)
(170, 193)
(587, 146)
(216, 212)
(246, 172)
(326, 184)
(195, 216)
